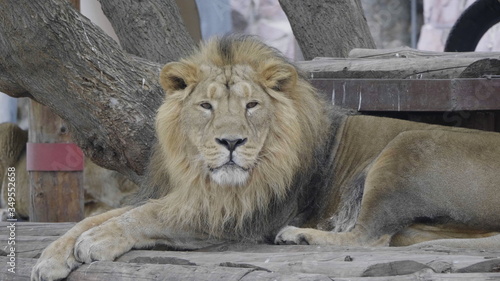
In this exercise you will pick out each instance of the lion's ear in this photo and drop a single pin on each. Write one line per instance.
(279, 76)
(177, 76)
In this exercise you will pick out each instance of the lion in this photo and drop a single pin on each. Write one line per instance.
(247, 150)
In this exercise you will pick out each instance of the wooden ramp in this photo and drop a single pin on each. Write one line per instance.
(256, 262)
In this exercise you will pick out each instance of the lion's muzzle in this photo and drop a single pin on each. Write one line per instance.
(231, 172)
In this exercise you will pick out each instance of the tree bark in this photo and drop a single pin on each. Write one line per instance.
(328, 28)
(65, 62)
(10, 87)
(149, 29)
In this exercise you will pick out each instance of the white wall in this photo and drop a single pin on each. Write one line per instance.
(92, 10)
(8, 108)
(439, 17)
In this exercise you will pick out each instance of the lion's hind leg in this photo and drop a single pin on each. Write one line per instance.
(291, 235)
(485, 243)
(390, 202)
(419, 233)
(58, 260)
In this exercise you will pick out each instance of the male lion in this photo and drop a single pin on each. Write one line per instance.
(248, 151)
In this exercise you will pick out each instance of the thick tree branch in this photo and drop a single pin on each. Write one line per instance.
(9, 86)
(328, 28)
(108, 97)
(149, 29)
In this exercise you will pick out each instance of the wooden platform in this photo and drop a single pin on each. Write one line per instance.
(257, 262)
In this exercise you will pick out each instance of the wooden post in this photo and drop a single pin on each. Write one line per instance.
(56, 178)
(56, 182)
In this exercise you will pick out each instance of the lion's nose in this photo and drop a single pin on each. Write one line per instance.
(231, 144)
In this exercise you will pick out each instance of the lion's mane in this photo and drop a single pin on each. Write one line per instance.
(196, 203)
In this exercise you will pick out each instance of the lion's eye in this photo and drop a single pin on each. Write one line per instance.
(252, 104)
(206, 105)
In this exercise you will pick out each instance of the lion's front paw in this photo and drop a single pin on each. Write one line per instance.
(291, 235)
(104, 242)
(54, 264)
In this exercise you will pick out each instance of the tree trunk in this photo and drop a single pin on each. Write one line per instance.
(328, 28)
(149, 29)
(65, 62)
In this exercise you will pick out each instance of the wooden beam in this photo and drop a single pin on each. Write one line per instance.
(412, 95)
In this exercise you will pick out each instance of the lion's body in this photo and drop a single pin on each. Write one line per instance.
(247, 147)
(408, 173)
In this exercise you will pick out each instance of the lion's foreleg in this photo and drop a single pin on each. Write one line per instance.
(57, 260)
(138, 228)
(118, 235)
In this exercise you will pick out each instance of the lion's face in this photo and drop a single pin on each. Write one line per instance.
(227, 118)
(236, 114)
(224, 115)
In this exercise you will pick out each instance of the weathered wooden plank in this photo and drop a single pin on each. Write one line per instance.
(27, 246)
(125, 271)
(336, 262)
(265, 248)
(403, 267)
(40, 229)
(32, 238)
(408, 68)
(273, 276)
(99, 270)
(492, 265)
(106, 270)
(428, 275)
(412, 95)
(21, 270)
(481, 68)
(406, 52)
(132, 271)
